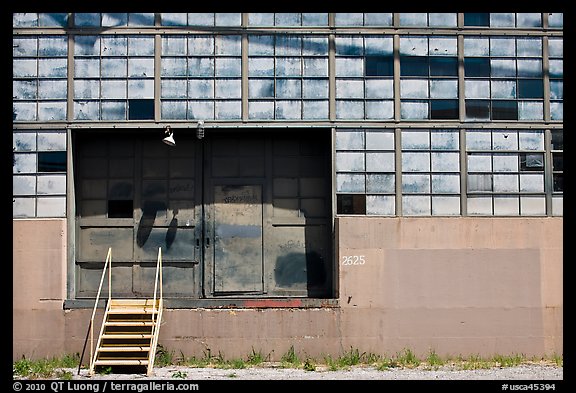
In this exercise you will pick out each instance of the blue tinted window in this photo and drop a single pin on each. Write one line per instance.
(52, 161)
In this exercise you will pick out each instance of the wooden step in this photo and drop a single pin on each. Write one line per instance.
(133, 310)
(134, 302)
(126, 323)
(126, 336)
(122, 362)
(124, 349)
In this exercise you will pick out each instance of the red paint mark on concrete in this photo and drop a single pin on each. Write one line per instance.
(272, 303)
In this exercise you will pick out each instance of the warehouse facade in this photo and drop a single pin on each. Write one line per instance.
(371, 180)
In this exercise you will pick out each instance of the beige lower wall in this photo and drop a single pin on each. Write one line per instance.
(459, 286)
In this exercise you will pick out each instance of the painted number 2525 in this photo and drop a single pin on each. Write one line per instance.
(353, 260)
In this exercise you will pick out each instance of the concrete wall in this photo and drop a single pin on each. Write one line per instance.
(456, 285)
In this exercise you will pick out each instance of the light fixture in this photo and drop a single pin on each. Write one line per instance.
(169, 138)
(200, 129)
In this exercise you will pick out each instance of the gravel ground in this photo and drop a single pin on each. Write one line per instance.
(532, 372)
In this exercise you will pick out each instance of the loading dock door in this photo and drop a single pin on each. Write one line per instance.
(236, 227)
(236, 213)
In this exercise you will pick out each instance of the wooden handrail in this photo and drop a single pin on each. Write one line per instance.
(90, 333)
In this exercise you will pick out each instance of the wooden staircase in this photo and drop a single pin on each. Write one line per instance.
(130, 327)
(129, 334)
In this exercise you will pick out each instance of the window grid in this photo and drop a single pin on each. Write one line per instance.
(288, 77)
(503, 78)
(428, 78)
(201, 77)
(39, 174)
(506, 172)
(556, 75)
(366, 171)
(39, 78)
(430, 172)
(364, 77)
(114, 77)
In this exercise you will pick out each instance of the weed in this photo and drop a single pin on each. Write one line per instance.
(232, 375)
(407, 358)
(332, 365)
(256, 358)
(508, 361)
(386, 363)
(179, 374)
(433, 360)
(309, 365)
(351, 358)
(290, 359)
(163, 356)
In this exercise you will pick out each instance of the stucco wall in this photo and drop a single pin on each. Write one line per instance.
(455, 285)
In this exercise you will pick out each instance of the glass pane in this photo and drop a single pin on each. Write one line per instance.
(503, 46)
(315, 67)
(349, 140)
(446, 184)
(477, 109)
(350, 182)
(228, 110)
(197, 88)
(228, 88)
(414, 46)
(477, 19)
(529, 47)
(442, 88)
(379, 140)
(479, 163)
(287, 66)
(413, 205)
(506, 206)
(530, 110)
(260, 45)
(350, 162)
(379, 66)
(533, 206)
(229, 45)
(380, 162)
(349, 66)
(415, 140)
(445, 162)
(315, 88)
(261, 109)
(443, 46)
(383, 109)
(314, 46)
(505, 140)
(505, 162)
(476, 46)
(531, 140)
(444, 139)
(476, 67)
(413, 19)
(414, 66)
(314, 19)
(414, 110)
(504, 110)
(502, 68)
(315, 109)
(530, 88)
(383, 205)
(288, 110)
(505, 183)
(442, 19)
(413, 88)
(502, 19)
(288, 45)
(444, 109)
(349, 19)
(378, 45)
(381, 183)
(445, 206)
(528, 19)
(503, 88)
(415, 162)
(480, 183)
(200, 66)
(346, 88)
(480, 206)
(532, 182)
(443, 66)
(112, 67)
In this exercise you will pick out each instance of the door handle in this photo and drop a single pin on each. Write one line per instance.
(207, 242)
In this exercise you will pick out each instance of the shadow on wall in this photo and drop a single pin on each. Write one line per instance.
(302, 268)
